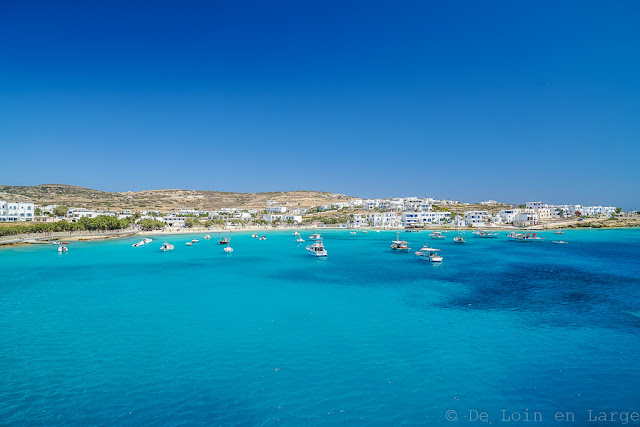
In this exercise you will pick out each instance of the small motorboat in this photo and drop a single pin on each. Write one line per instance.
(377, 231)
(140, 243)
(195, 241)
(63, 248)
(430, 254)
(315, 236)
(189, 243)
(228, 249)
(224, 240)
(166, 247)
(207, 237)
(254, 236)
(317, 249)
(295, 233)
(147, 240)
(559, 232)
(561, 242)
(364, 232)
(353, 232)
(300, 239)
(263, 238)
(484, 233)
(437, 235)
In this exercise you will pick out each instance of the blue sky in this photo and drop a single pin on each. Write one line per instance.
(512, 101)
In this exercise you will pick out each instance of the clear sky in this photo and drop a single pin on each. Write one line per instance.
(509, 100)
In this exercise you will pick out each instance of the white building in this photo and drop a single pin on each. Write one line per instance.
(173, 220)
(598, 210)
(476, 218)
(534, 205)
(509, 215)
(384, 219)
(272, 209)
(527, 218)
(13, 212)
(410, 219)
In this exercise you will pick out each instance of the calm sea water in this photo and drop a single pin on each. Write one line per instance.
(109, 334)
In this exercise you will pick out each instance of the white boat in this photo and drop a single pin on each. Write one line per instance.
(429, 254)
(458, 238)
(263, 238)
(485, 234)
(377, 231)
(353, 232)
(63, 249)
(524, 237)
(559, 232)
(189, 243)
(228, 249)
(166, 247)
(299, 240)
(254, 236)
(195, 241)
(559, 242)
(364, 232)
(207, 237)
(224, 240)
(317, 249)
(140, 243)
(437, 235)
(315, 236)
(295, 233)
(147, 240)
(399, 245)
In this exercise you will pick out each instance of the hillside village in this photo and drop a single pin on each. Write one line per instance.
(315, 209)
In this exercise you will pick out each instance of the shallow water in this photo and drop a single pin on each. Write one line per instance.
(108, 334)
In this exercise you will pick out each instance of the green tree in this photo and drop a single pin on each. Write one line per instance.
(188, 222)
(60, 210)
(208, 223)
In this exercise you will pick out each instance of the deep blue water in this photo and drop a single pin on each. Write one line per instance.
(109, 334)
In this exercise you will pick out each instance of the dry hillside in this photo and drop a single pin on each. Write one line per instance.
(58, 194)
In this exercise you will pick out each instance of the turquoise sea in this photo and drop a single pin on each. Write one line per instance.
(107, 334)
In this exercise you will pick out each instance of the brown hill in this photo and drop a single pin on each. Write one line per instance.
(59, 194)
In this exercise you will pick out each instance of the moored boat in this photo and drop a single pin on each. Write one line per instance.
(437, 235)
(195, 241)
(263, 238)
(166, 247)
(559, 242)
(317, 249)
(524, 237)
(140, 243)
(63, 248)
(188, 244)
(429, 254)
(228, 249)
(206, 237)
(254, 236)
(399, 245)
(224, 240)
(315, 236)
(300, 239)
(484, 233)
(147, 240)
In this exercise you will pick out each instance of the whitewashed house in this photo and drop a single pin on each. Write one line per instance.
(476, 218)
(14, 212)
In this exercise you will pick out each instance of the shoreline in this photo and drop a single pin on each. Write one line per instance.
(43, 240)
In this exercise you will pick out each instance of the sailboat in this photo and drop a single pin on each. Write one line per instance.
(458, 238)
